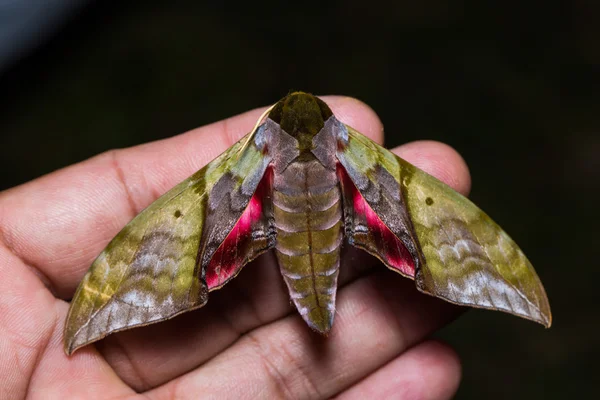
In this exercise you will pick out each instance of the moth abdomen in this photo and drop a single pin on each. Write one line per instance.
(307, 213)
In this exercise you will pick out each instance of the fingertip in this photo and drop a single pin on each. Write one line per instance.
(433, 371)
(443, 365)
(439, 160)
(430, 370)
(356, 114)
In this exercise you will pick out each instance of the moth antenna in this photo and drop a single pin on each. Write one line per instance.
(253, 131)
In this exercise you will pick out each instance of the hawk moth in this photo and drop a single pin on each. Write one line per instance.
(302, 184)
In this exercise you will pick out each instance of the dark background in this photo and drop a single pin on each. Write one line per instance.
(512, 86)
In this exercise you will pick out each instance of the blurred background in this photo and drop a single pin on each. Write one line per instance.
(514, 87)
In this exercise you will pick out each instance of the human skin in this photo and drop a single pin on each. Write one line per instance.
(248, 341)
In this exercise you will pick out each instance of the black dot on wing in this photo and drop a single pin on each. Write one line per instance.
(429, 201)
(177, 214)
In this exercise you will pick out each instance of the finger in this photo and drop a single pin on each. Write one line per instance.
(256, 297)
(57, 376)
(440, 160)
(32, 362)
(430, 370)
(379, 317)
(26, 323)
(59, 223)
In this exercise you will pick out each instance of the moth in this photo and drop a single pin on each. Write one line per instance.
(302, 184)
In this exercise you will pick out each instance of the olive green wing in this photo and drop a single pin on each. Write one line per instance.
(161, 264)
(419, 226)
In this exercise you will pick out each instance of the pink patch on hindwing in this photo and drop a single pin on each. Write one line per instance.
(389, 247)
(233, 253)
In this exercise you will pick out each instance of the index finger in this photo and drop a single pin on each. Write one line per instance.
(59, 223)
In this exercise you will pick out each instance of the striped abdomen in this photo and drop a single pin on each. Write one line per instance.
(308, 216)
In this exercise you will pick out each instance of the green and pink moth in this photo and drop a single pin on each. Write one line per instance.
(303, 184)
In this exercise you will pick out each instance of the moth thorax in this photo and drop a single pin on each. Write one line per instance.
(302, 116)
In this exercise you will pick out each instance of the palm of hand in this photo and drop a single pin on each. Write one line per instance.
(247, 342)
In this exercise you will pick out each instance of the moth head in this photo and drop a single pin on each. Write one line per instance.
(302, 116)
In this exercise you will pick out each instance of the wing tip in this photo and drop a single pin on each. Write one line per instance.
(69, 347)
(68, 351)
(547, 320)
(71, 343)
(544, 319)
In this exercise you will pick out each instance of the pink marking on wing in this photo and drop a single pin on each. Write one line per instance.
(232, 253)
(391, 249)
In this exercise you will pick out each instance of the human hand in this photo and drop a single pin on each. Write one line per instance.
(248, 341)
